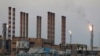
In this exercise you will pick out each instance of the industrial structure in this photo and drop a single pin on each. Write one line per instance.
(51, 27)
(11, 22)
(63, 34)
(23, 24)
(38, 35)
(13, 44)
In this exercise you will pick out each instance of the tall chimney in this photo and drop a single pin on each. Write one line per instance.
(21, 24)
(24, 24)
(63, 32)
(13, 23)
(9, 22)
(4, 35)
(51, 27)
(27, 25)
(38, 26)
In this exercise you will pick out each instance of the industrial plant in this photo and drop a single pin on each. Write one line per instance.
(16, 46)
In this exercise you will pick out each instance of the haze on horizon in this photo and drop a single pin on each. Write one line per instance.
(77, 12)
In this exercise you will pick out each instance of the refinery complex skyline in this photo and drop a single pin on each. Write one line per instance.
(50, 27)
(19, 45)
(77, 16)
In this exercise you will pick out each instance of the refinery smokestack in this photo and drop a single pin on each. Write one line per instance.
(9, 23)
(21, 22)
(24, 24)
(63, 30)
(13, 23)
(51, 27)
(38, 26)
(4, 35)
(27, 25)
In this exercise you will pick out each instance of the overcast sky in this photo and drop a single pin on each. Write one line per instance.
(77, 12)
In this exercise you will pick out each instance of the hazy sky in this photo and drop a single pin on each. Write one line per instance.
(77, 12)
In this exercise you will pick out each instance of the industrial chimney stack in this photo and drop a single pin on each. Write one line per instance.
(4, 35)
(27, 25)
(51, 27)
(11, 22)
(38, 26)
(23, 24)
(63, 30)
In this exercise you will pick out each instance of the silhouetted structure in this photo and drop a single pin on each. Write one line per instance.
(11, 22)
(51, 27)
(38, 27)
(4, 35)
(63, 31)
(24, 24)
(27, 15)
